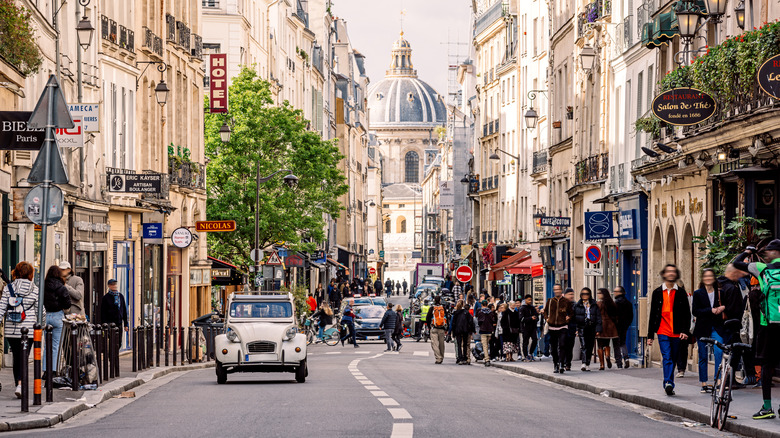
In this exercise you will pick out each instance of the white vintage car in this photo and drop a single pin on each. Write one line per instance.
(261, 336)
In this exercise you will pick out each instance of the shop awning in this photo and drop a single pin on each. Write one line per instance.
(335, 263)
(497, 270)
(527, 267)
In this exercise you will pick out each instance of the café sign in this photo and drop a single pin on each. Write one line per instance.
(769, 77)
(684, 106)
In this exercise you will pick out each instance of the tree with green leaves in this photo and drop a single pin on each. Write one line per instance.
(276, 137)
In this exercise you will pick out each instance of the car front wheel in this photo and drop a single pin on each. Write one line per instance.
(221, 373)
(301, 372)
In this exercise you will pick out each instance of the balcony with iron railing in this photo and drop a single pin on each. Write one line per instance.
(187, 174)
(592, 169)
(540, 162)
(492, 14)
(589, 15)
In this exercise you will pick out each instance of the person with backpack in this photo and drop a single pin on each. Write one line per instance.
(437, 321)
(378, 287)
(56, 300)
(19, 309)
(325, 317)
(625, 316)
(399, 327)
(670, 319)
(767, 327)
(486, 317)
(529, 318)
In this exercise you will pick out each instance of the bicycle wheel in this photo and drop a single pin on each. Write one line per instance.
(309, 336)
(725, 399)
(332, 336)
(715, 403)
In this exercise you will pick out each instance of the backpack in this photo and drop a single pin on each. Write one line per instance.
(439, 318)
(770, 311)
(16, 312)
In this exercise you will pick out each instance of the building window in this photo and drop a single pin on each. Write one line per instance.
(401, 224)
(387, 227)
(412, 170)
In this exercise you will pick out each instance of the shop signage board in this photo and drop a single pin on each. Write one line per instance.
(218, 83)
(464, 274)
(181, 237)
(550, 221)
(15, 135)
(593, 254)
(769, 76)
(152, 231)
(215, 226)
(684, 106)
(593, 272)
(88, 113)
(220, 272)
(598, 225)
(446, 195)
(294, 261)
(381, 254)
(627, 225)
(135, 182)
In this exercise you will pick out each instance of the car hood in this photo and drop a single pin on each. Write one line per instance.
(257, 331)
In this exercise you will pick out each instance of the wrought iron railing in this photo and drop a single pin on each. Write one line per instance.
(165, 188)
(183, 32)
(187, 174)
(197, 46)
(591, 169)
(740, 105)
(627, 34)
(170, 27)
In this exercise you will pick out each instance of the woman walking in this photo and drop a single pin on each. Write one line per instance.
(499, 335)
(588, 318)
(325, 315)
(399, 327)
(19, 308)
(56, 300)
(462, 327)
(708, 313)
(510, 326)
(609, 332)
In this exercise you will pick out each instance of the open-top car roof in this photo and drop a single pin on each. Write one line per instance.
(261, 296)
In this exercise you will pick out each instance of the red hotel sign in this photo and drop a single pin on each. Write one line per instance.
(218, 88)
(210, 226)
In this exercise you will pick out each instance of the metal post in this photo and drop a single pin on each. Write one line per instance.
(111, 345)
(142, 347)
(149, 347)
(157, 350)
(135, 349)
(166, 344)
(49, 358)
(208, 342)
(74, 361)
(46, 185)
(25, 377)
(117, 344)
(174, 345)
(37, 335)
(106, 349)
(80, 93)
(181, 344)
(257, 225)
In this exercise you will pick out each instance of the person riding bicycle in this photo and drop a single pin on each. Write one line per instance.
(767, 328)
(348, 318)
(324, 316)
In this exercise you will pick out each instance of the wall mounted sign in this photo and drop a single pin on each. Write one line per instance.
(211, 226)
(549, 221)
(16, 135)
(89, 113)
(627, 224)
(218, 83)
(684, 106)
(152, 230)
(768, 77)
(598, 225)
(181, 237)
(134, 182)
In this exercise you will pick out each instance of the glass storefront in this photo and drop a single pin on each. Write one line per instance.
(123, 271)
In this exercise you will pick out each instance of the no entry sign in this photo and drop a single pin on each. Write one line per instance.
(464, 274)
(593, 254)
(372, 271)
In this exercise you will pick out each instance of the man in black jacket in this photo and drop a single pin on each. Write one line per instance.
(487, 319)
(625, 317)
(529, 318)
(389, 320)
(113, 308)
(670, 319)
(378, 288)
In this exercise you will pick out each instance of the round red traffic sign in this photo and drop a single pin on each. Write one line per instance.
(464, 274)
(372, 271)
(593, 254)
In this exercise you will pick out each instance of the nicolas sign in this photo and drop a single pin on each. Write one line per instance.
(684, 106)
(769, 77)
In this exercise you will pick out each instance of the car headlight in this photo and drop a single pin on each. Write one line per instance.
(290, 333)
(233, 336)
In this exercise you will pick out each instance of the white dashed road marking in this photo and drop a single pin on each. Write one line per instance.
(379, 394)
(421, 353)
(399, 413)
(400, 430)
(388, 401)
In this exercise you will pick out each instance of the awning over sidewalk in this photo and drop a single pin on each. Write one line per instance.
(335, 263)
(497, 270)
(527, 267)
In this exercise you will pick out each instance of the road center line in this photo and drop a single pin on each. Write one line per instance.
(399, 413)
(402, 430)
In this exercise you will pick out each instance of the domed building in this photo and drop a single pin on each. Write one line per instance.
(404, 113)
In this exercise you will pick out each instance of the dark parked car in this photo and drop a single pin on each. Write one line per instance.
(367, 322)
(213, 319)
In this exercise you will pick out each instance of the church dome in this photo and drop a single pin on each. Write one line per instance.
(401, 99)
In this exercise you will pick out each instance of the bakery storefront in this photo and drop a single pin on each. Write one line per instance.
(89, 234)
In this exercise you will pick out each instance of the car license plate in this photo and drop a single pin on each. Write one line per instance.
(246, 358)
(378, 338)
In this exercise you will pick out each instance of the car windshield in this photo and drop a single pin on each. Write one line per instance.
(370, 312)
(260, 310)
(362, 301)
(379, 301)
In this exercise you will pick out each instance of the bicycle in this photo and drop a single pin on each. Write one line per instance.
(330, 336)
(724, 379)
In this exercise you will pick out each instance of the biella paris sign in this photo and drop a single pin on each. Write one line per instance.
(769, 76)
(684, 106)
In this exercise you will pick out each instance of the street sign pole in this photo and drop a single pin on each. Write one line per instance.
(48, 167)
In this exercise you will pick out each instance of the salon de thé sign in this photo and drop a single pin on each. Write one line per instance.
(684, 106)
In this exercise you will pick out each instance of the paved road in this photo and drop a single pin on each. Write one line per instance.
(365, 392)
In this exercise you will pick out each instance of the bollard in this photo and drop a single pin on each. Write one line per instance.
(106, 350)
(174, 345)
(158, 334)
(74, 358)
(37, 335)
(189, 345)
(96, 343)
(150, 346)
(25, 372)
(117, 346)
(207, 335)
(166, 335)
(198, 350)
(49, 357)
(134, 341)
(181, 344)
(141, 347)
(111, 368)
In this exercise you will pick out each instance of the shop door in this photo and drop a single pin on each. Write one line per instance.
(123, 270)
(81, 268)
(633, 292)
(97, 276)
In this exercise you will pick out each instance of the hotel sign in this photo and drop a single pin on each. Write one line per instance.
(218, 87)
(684, 106)
(769, 77)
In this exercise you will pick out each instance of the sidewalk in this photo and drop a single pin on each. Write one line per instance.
(68, 403)
(642, 386)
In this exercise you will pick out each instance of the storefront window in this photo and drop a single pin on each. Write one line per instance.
(151, 297)
(123, 270)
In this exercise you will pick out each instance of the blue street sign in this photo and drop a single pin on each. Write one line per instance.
(598, 225)
(153, 231)
(593, 254)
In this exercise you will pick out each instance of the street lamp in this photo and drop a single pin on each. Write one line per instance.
(587, 58)
(740, 13)
(84, 32)
(531, 117)
(716, 8)
(688, 15)
(494, 156)
(465, 179)
(161, 92)
(224, 132)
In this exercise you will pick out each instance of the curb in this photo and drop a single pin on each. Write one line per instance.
(659, 405)
(54, 413)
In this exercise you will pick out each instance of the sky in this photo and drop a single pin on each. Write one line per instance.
(428, 25)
